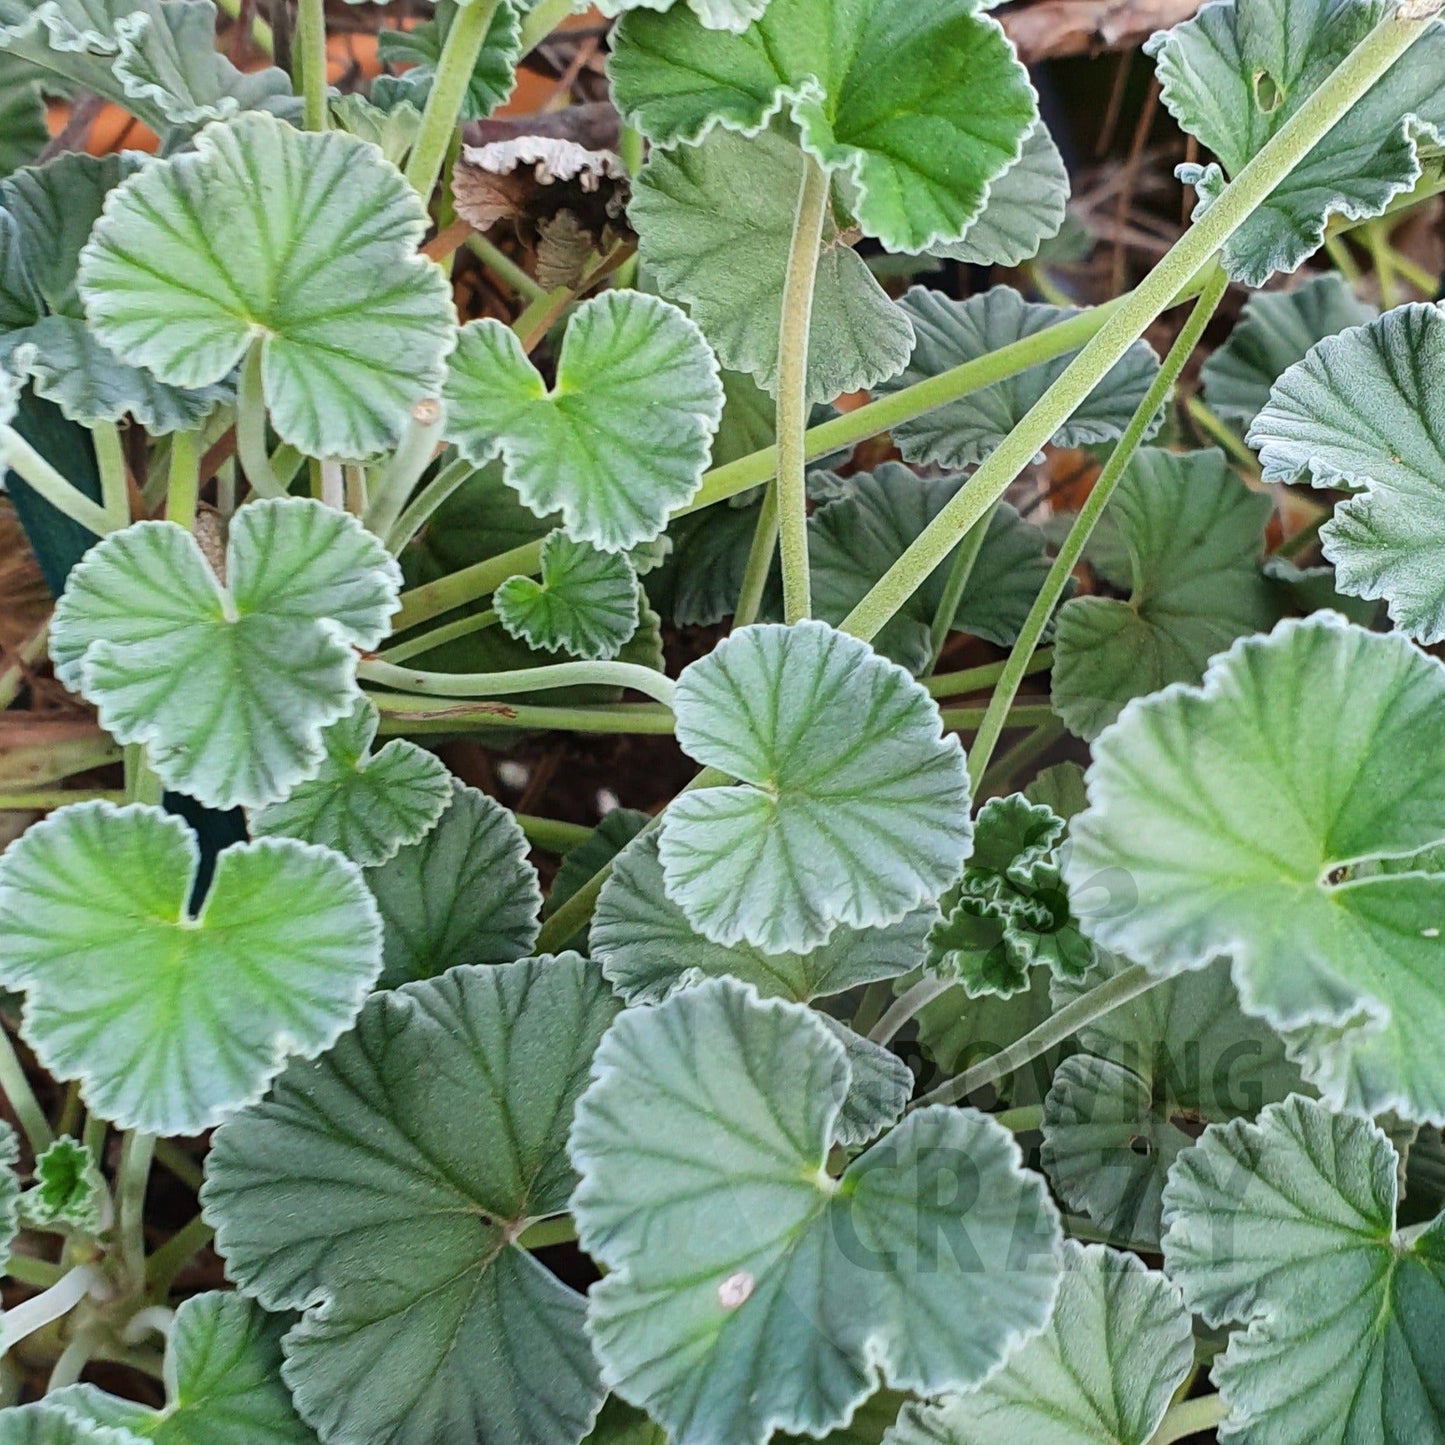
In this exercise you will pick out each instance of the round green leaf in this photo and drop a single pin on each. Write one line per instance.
(1118, 1115)
(362, 804)
(1117, 1347)
(1236, 73)
(735, 15)
(854, 540)
(46, 216)
(715, 225)
(381, 1190)
(586, 602)
(228, 687)
(1287, 1227)
(171, 1022)
(620, 439)
(581, 864)
(854, 805)
(1360, 413)
(463, 894)
(880, 1085)
(1275, 330)
(1194, 534)
(648, 950)
(1026, 207)
(44, 1424)
(1257, 817)
(919, 104)
(185, 271)
(704, 1195)
(965, 431)
(223, 1383)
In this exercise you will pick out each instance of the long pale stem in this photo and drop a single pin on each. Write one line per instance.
(251, 427)
(110, 461)
(1073, 549)
(955, 585)
(1189, 1417)
(454, 73)
(311, 57)
(1280, 155)
(792, 407)
(184, 481)
(412, 457)
(414, 714)
(43, 1309)
(760, 559)
(524, 679)
(17, 454)
(137, 1151)
(16, 1088)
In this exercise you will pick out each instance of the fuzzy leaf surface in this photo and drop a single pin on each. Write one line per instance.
(69, 1189)
(585, 603)
(228, 687)
(380, 1190)
(171, 1022)
(420, 49)
(853, 805)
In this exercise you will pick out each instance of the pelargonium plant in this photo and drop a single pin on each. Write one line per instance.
(886, 1084)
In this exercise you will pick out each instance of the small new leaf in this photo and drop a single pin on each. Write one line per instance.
(69, 1190)
(853, 805)
(364, 805)
(229, 687)
(171, 1021)
(419, 49)
(620, 439)
(586, 602)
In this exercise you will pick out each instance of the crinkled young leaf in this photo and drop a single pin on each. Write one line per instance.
(46, 216)
(619, 440)
(1275, 330)
(9, 1187)
(715, 224)
(854, 540)
(1194, 534)
(464, 894)
(1117, 1347)
(735, 15)
(1236, 73)
(223, 1382)
(184, 272)
(1362, 412)
(648, 950)
(170, 1022)
(392, 130)
(1287, 1227)
(704, 1195)
(381, 1190)
(1152, 1072)
(1026, 206)
(363, 804)
(880, 1085)
(965, 431)
(585, 602)
(917, 104)
(69, 1191)
(157, 59)
(853, 805)
(45, 1424)
(1249, 816)
(228, 687)
(23, 131)
(420, 48)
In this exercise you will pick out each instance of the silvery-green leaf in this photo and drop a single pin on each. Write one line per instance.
(1194, 534)
(183, 273)
(223, 1382)
(918, 105)
(381, 1191)
(1361, 412)
(1153, 1071)
(1236, 73)
(155, 58)
(392, 130)
(585, 602)
(704, 1195)
(1287, 1228)
(1026, 207)
(852, 806)
(44, 1424)
(647, 948)
(9, 1187)
(1275, 330)
(619, 440)
(463, 894)
(1302, 590)
(965, 431)
(1012, 836)
(715, 223)
(171, 1022)
(735, 15)
(880, 1085)
(420, 47)
(1117, 1347)
(855, 539)
(363, 804)
(46, 216)
(1248, 816)
(69, 1190)
(580, 864)
(23, 132)
(1060, 788)
(228, 687)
